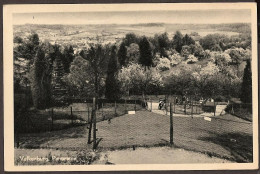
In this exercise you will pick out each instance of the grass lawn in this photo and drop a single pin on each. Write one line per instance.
(225, 136)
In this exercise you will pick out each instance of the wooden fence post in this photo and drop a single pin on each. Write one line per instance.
(151, 105)
(90, 125)
(88, 113)
(196, 107)
(171, 125)
(102, 112)
(174, 103)
(125, 107)
(71, 114)
(191, 107)
(185, 106)
(94, 124)
(52, 119)
(135, 105)
(115, 108)
(214, 108)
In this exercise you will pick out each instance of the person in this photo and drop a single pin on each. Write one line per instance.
(161, 103)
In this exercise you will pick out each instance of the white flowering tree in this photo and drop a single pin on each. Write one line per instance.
(138, 77)
(175, 59)
(164, 64)
(191, 59)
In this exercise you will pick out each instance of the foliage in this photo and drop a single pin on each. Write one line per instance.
(96, 56)
(136, 77)
(186, 51)
(164, 64)
(216, 47)
(146, 58)
(221, 59)
(130, 38)
(180, 81)
(68, 56)
(187, 40)
(122, 54)
(163, 43)
(175, 59)
(197, 50)
(246, 90)
(133, 53)
(177, 42)
(112, 85)
(238, 55)
(79, 79)
(191, 59)
(40, 78)
(18, 40)
(211, 40)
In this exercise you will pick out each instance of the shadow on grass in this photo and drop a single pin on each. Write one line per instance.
(41, 140)
(240, 145)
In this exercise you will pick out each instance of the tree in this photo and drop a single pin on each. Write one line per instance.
(192, 59)
(130, 38)
(246, 90)
(216, 47)
(197, 50)
(40, 78)
(207, 80)
(96, 56)
(222, 60)
(177, 42)
(133, 53)
(29, 47)
(163, 43)
(180, 81)
(79, 80)
(175, 59)
(18, 40)
(59, 89)
(186, 51)
(112, 85)
(187, 40)
(146, 58)
(68, 56)
(138, 78)
(209, 41)
(164, 64)
(121, 54)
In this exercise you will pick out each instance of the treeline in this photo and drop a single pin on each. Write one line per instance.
(212, 66)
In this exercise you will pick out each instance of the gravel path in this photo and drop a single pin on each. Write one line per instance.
(157, 155)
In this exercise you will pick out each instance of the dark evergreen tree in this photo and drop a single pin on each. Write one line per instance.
(177, 42)
(112, 85)
(59, 90)
(40, 78)
(187, 40)
(146, 58)
(121, 54)
(130, 38)
(163, 43)
(246, 90)
(68, 56)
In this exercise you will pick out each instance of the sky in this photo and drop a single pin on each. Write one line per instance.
(135, 17)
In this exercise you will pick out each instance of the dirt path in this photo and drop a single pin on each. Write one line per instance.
(157, 155)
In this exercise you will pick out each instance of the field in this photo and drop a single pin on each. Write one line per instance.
(225, 136)
(81, 35)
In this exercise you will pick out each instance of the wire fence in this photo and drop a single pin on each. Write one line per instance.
(76, 114)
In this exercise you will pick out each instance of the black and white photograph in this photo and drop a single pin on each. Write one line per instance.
(130, 87)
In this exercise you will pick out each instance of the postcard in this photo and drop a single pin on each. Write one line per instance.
(147, 86)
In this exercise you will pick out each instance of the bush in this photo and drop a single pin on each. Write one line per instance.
(240, 110)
